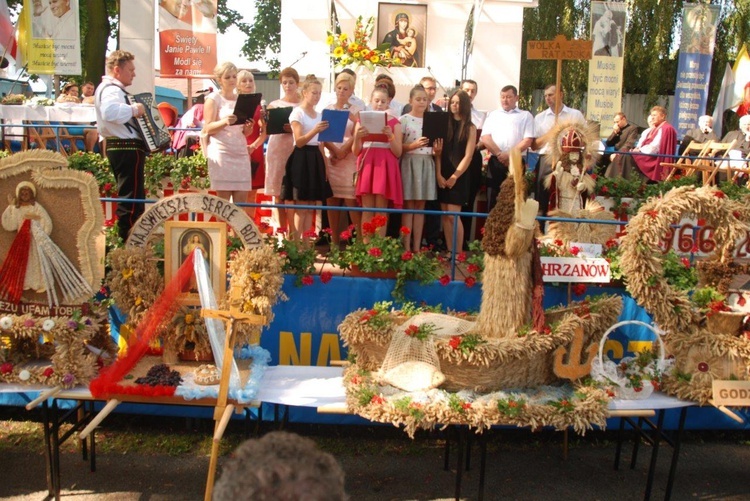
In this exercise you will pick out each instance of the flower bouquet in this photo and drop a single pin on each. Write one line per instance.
(356, 52)
(374, 253)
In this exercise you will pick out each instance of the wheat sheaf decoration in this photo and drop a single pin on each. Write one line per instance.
(701, 353)
(642, 248)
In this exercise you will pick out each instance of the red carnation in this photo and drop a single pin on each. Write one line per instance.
(368, 228)
(412, 330)
(455, 342)
(375, 252)
(719, 194)
(472, 268)
(326, 277)
(48, 372)
(604, 190)
(310, 234)
(405, 231)
(379, 221)
(345, 235)
(377, 399)
(307, 280)
(575, 250)
(579, 289)
(470, 281)
(444, 280)
(6, 368)
(406, 256)
(685, 262)
(461, 257)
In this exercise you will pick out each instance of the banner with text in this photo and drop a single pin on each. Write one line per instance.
(187, 38)
(694, 65)
(605, 68)
(50, 37)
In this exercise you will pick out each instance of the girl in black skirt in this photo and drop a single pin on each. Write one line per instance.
(305, 181)
(452, 159)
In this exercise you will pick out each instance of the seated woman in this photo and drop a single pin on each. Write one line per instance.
(69, 93)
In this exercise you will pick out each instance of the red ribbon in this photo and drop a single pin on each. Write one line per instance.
(13, 271)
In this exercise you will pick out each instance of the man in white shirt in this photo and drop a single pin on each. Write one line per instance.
(505, 128)
(126, 151)
(543, 123)
(471, 88)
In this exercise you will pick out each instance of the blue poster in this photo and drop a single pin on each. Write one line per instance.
(694, 65)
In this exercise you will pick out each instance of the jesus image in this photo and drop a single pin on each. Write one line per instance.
(189, 242)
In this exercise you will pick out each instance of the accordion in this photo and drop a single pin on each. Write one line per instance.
(150, 126)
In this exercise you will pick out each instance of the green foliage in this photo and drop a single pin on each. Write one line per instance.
(511, 406)
(678, 272)
(374, 253)
(97, 166)
(706, 295)
(734, 191)
(263, 42)
(299, 257)
(184, 173)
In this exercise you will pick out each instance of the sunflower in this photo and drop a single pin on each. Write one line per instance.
(338, 52)
(329, 40)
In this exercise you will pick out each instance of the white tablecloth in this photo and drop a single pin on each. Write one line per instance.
(16, 114)
(83, 113)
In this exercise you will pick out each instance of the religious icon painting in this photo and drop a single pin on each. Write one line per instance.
(182, 239)
(404, 26)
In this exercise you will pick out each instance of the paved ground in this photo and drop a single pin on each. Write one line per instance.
(381, 463)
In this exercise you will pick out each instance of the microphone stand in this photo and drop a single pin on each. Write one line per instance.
(300, 58)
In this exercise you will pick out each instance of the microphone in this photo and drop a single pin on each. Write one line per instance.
(445, 101)
(263, 109)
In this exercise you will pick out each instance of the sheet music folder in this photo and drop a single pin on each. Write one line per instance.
(277, 118)
(337, 120)
(435, 125)
(374, 121)
(246, 105)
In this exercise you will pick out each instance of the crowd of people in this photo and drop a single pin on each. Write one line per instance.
(394, 167)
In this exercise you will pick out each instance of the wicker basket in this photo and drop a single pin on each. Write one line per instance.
(725, 322)
(606, 372)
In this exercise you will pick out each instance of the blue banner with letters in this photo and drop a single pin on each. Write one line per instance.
(694, 65)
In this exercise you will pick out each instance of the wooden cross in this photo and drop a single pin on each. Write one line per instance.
(559, 49)
(223, 412)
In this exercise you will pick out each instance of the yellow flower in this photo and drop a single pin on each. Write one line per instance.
(189, 319)
(127, 273)
(338, 52)
(256, 276)
(354, 46)
(343, 37)
(396, 60)
(356, 55)
(138, 300)
(374, 58)
(329, 40)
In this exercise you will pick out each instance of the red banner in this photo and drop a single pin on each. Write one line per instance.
(187, 38)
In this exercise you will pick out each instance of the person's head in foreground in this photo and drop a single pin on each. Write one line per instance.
(280, 466)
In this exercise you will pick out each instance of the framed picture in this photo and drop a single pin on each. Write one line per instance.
(405, 28)
(182, 238)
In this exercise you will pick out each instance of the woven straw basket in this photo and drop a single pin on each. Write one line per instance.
(606, 372)
(725, 322)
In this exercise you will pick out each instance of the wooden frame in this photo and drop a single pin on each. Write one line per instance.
(182, 237)
(388, 31)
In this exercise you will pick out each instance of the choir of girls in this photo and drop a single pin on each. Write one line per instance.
(399, 169)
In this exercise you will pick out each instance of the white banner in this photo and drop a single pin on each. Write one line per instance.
(575, 269)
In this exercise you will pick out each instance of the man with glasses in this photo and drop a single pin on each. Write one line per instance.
(430, 87)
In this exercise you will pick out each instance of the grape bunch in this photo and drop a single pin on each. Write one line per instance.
(160, 375)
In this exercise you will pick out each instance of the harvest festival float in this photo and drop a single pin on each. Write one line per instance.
(511, 363)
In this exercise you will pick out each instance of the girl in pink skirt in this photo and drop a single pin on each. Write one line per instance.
(379, 173)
